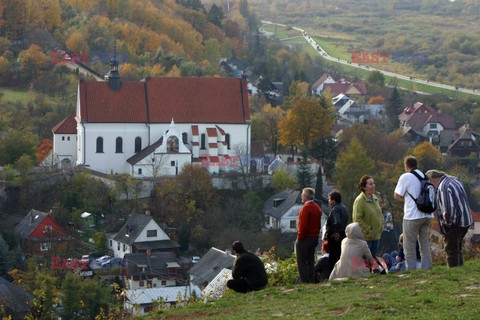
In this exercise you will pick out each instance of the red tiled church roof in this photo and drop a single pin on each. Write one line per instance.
(66, 126)
(159, 100)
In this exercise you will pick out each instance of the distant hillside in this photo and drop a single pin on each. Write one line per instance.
(157, 36)
(448, 32)
(438, 294)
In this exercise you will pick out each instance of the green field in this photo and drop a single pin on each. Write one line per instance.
(442, 293)
(329, 44)
(12, 95)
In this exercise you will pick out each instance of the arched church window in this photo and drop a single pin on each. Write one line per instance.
(119, 145)
(138, 144)
(227, 140)
(184, 138)
(99, 145)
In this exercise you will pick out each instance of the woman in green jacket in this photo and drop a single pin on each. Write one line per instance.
(367, 212)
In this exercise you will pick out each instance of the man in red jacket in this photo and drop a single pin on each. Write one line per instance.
(309, 220)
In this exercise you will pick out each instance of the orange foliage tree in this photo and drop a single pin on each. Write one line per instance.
(43, 149)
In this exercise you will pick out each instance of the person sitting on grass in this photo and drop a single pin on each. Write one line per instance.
(248, 271)
(356, 258)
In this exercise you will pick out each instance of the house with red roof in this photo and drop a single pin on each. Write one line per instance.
(426, 120)
(317, 86)
(40, 235)
(155, 126)
(351, 89)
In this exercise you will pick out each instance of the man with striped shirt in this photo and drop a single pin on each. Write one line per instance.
(453, 213)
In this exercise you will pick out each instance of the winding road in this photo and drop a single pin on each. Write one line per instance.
(326, 56)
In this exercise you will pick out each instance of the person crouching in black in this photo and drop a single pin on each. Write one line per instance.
(248, 271)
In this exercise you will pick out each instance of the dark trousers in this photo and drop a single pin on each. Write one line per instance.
(305, 249)
(241, 285)
(334, 250)
(453, 245)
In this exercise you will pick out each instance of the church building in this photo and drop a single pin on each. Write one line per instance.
(153, 127)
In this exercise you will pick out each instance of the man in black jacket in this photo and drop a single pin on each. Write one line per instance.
(248, 272)
(335, 227)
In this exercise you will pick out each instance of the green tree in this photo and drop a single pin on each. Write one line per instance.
(24, 166)
(99, 238)
(393, 110)
(71, 297)
(282, 180)
(215, 15)
(16, 143)
(319, 184)
(4, 265)
(213, 51)
(352, 164)
(376, 78)
(304, 173)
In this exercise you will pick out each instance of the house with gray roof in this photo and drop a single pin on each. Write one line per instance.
(281, 210)
(141, 234)
(14, 299)
(40, 234)
(210, 265)
(139, 301)
(160, 269)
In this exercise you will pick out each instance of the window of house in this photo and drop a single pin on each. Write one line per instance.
(141, 284)
(99, 145)
(172, 163)
(139, 170)
(45, 246)
(164, 282)
(293, 224)
(433, 126)
(124, 248)
(68, 138)
(111, 243)
(202, 142)
(227, 140)
(119, 145)
(185, 138)
(118, 246)
(138, 144)
(47, 229)
(63, 138)
(154, 285)
(151, 233)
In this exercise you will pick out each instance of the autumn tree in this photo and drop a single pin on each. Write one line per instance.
(5, 70)
(376, 100)
(76, 43)
(33, 61)
(393, 110)
(428, 156)
(270, 120)
(352, 164)
(309, 120)
(43, 149)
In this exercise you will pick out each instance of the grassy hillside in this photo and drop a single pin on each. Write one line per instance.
(438, 294)
(447, 31)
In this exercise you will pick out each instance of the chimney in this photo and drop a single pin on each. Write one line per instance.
(149, 252)
(147, 212)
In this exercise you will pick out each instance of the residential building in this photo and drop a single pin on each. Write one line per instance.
(425, 119)
(41, 235)
(317, 86)
(15, 300)
(141, 233)
(141, 301)
(153, 270)
(209, 266)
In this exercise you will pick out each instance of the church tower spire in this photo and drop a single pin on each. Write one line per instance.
(114, 80)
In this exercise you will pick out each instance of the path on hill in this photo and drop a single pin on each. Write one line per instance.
(83, 70)
(325, 55)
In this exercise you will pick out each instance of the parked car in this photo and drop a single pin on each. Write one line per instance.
(195, 259)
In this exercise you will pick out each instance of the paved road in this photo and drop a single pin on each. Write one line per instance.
(325, 55)
(82, 70)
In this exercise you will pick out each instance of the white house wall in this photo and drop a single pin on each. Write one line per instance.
(162, 165)
(152, 225)
(65, 147)
(110, 161)
(156, 283)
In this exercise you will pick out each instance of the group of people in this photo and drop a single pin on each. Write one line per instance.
(351, 249)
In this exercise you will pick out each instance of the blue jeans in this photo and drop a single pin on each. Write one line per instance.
(373, 246)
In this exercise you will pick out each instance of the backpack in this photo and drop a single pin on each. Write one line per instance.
(426, 201)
